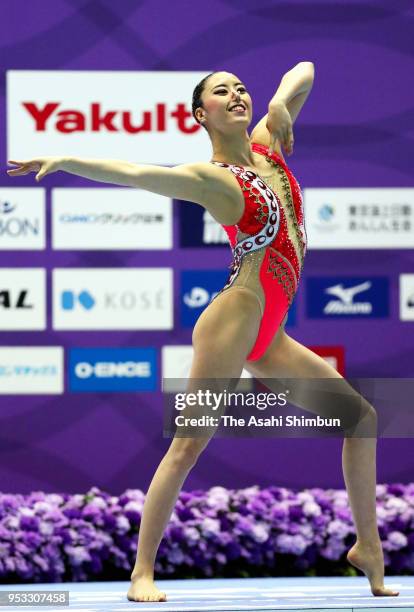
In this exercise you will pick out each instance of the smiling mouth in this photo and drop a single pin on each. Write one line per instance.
(237, 108)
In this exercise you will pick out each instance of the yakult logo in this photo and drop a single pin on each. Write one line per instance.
(144, 116)
(52, 116)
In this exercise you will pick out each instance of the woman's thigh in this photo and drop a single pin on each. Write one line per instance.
(225, 334)
(313, 384)
(222, 338)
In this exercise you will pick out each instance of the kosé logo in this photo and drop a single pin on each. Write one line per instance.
(112, 298)
(22, 219)
(347, 297)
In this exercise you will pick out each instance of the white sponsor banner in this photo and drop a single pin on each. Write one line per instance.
(22, 299)
(176, 364)
(109, 219)
(407, 297)
(22, 218)
(31, 370)
(113, 298)
(365, 218)
(140, 116)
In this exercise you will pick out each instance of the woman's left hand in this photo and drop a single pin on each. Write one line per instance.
(279, 125)
(40, 165)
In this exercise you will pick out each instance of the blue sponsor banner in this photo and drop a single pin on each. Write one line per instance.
(198, 287)
(199, 229)
(112, 369)
(292, 313)
(347, 297)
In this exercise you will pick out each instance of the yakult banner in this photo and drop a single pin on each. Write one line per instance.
(360, 218)
(110, 219)
(140, 116)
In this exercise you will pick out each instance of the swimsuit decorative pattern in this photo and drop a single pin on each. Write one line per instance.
(268, 243)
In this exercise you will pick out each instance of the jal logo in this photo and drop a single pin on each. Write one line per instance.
(15, 299)
(350, 297)
(52, 117)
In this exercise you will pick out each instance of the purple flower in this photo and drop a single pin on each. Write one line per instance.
(295, 512)
(397, 540)
(291, 544)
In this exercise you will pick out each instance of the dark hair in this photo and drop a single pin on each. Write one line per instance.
(198, 90)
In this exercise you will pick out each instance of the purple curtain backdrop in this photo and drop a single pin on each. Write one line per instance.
(354, 131)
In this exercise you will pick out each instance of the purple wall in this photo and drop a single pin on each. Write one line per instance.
(354, 131)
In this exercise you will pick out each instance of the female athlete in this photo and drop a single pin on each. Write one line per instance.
(248, 188)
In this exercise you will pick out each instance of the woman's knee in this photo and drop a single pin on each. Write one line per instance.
(365, 424)
(184, 452)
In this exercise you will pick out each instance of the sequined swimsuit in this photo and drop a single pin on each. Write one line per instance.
(268, 244)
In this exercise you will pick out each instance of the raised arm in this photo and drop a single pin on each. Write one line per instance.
(276, 126)
(201, 182)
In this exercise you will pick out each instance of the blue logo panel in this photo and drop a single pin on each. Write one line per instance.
(347, 297)
(199, 229)
(292, 315)
(198, 287)
(112, 369)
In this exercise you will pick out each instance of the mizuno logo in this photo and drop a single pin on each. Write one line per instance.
(345, 304)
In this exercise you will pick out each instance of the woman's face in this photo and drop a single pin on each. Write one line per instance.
(227, 104)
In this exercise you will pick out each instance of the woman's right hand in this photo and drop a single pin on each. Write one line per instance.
(41, 165)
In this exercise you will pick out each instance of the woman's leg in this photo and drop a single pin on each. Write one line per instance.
(287, 358)
(222, 338)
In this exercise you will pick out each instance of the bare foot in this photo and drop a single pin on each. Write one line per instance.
(370, 560)
(144, 589)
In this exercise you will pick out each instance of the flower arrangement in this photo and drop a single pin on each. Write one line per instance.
(255, 531)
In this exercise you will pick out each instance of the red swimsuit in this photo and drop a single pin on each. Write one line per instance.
(265, 258)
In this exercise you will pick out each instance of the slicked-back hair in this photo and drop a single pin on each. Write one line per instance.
(197, 93)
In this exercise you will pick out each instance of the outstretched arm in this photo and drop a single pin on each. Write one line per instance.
(201, 182)
(184, 182)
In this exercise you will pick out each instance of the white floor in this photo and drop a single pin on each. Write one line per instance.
(233, 594)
